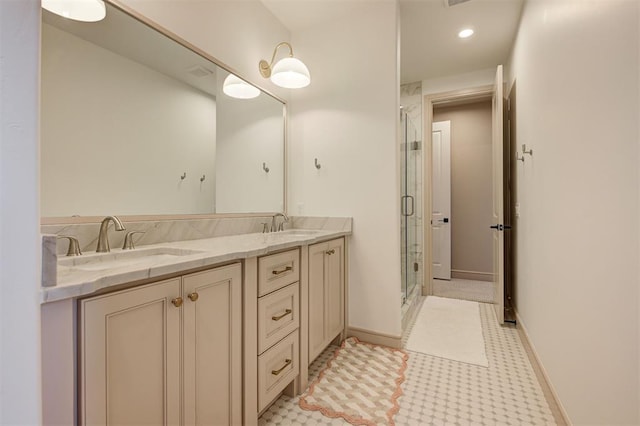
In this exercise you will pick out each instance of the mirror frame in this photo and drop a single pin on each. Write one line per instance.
(157, 217)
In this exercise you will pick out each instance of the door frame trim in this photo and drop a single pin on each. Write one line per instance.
(455, 97)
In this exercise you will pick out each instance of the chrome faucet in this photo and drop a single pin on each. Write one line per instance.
(103, 237)
(280, 227)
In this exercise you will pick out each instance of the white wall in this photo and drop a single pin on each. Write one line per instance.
(250, 133)
(165, 128)
(19, 215)
(348, 119)
(576, 69)
(238, 33)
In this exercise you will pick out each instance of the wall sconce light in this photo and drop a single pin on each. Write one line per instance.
(237, 88)
(78, 10)
(288, 72)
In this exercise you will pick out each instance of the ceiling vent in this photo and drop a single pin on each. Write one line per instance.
(199, 71)
(449, 3)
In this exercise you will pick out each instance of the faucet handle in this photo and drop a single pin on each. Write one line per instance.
(265, 227)
(74, 245)
(128, 240)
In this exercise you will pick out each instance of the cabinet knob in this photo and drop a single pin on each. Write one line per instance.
(330, 252)
(177, 302)
(193, 296)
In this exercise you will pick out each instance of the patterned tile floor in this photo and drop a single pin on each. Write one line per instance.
(439, 391)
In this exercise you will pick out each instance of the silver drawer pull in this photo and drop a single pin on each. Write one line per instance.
(287, 362)
(330, 252)
(279, 317)
(287, 269)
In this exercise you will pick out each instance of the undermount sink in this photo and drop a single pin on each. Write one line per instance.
(124, 258)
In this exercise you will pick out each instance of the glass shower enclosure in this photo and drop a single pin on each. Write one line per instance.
(411, 210)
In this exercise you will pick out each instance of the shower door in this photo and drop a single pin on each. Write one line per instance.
(410, 208)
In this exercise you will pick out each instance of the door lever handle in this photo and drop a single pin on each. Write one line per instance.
(497, 227)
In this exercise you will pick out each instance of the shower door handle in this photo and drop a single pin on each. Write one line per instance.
(403, 205)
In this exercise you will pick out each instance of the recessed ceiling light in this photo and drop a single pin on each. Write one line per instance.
(466, 33)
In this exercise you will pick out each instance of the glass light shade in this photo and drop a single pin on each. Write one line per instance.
(238, 88)
(290, 73)
(466, 33)
(78, 10)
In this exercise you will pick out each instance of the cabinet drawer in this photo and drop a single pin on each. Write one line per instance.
(278, 270)
(277, 367)
(278, 315)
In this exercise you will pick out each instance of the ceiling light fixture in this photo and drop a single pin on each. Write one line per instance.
(466, 33)
(237, 88)
(78, 10)
(288, 72)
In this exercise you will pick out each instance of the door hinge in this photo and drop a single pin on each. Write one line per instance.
(415, 266)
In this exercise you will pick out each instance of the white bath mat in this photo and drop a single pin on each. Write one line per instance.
(449, 328)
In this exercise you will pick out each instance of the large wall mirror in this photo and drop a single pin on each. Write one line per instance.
(135, 123)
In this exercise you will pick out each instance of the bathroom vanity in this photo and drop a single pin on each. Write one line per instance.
(208, 321)
(207, 331)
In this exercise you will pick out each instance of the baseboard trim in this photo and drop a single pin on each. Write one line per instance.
(375, 337)
(471, 275)
(558, 411)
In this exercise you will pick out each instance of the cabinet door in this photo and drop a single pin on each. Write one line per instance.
(213, 347)
(326, 294)
(130, 357)
(317, 330)
(334, 287)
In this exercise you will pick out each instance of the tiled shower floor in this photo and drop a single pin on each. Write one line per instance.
(438, 391)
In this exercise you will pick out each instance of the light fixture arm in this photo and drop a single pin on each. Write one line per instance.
(265, 67)
(284, 43)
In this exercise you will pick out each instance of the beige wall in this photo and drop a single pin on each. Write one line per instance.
(575, 64)
(471, 238)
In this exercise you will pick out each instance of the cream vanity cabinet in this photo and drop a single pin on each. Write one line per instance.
(278, 324)
(326, 294)
(164, 353)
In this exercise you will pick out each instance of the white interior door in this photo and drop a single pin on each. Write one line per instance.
(498, 200)
(441, 200)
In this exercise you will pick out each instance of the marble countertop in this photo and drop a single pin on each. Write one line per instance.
(75, 280)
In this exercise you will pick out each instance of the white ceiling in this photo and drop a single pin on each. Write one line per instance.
(430, 46)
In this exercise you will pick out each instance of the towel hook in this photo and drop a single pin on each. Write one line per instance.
(265, 168)
(524, 151)
(202, 178)
(318, 165)
(183, 176)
